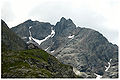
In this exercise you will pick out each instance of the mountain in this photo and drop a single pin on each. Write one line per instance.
(21, 60)
(10, 41)
(85, 49)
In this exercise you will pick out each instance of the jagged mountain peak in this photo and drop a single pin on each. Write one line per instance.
(62, 19)
(70, 20)
(29, 20)
(66, 20)
(64, 26)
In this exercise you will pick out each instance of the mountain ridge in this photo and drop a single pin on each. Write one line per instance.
(79, 47)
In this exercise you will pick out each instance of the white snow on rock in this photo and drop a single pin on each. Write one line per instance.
(40, 41)
(52, 33)
(76, 71)
(30, 41)
(47, 48)
(108, 65)
(30, 38)
(98, 76)
(30, 27)
(71, 37)
(53, 51)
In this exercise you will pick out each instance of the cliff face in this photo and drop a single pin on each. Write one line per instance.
(39, 30)
(90, 52)
(10, 41)
(85, 49)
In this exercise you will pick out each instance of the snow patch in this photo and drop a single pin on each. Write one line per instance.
(108, 65)
(53, 51)
(30, 42)
(76, 71)
(71, 37)
(47, 48)
(52, 33)
(30, 27)
(40, 41)
(30, 38)
(98, 76)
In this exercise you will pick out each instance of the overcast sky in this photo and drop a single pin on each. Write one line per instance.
(101, 15)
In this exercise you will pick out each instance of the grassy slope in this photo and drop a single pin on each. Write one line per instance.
(33, 63)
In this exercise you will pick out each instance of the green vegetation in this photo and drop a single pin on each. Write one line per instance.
(33, 63)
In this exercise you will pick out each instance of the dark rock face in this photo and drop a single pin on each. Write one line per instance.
(32, 46)
(85, 49)
(91, 51)
(64, 27)
(39, 30)
(10, 41)
(23, 30)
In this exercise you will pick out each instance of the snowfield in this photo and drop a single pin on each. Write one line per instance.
(40, 41)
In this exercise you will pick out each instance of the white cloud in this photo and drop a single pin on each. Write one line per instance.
(7, 12)
(101, 15)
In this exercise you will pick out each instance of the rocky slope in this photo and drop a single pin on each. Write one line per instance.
(10, 41)
(17, 61)
(89, 53)
(33, 63)
(85, 49)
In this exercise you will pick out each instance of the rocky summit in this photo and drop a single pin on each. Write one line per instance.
(87, 50)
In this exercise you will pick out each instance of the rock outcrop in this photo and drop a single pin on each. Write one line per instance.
(10, 41)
